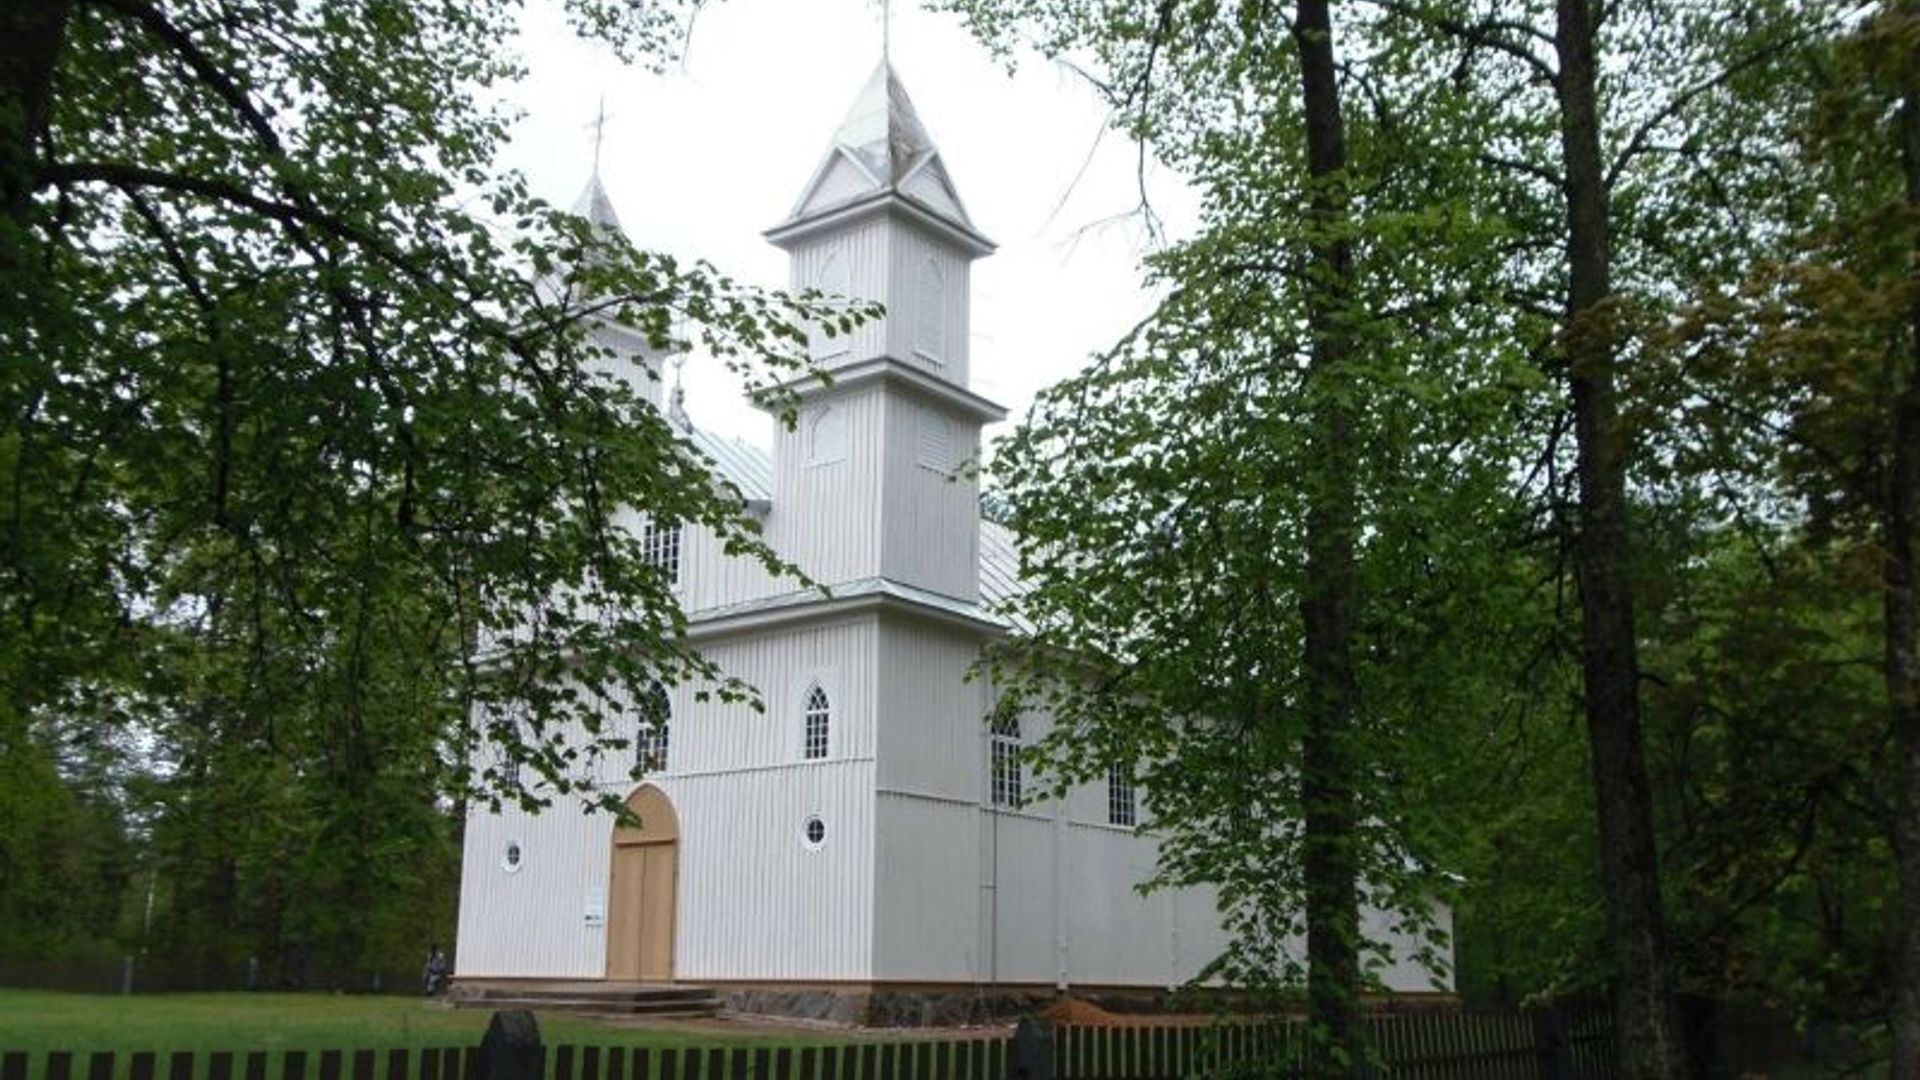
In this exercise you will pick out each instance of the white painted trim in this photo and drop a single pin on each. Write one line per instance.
(788, 234)
(885, 368)
(948, 800)
(808, 605)
(745, 770)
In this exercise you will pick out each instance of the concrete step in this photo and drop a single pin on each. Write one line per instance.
(593, 998)
(603, 1008)
(584, 993)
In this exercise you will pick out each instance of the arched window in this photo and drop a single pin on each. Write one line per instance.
(930, 322)
(1004, 754)
(816, 720)
(834, 282)
(1122, 805)
(654, 721)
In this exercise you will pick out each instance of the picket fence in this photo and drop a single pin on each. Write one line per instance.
(1552, 1045)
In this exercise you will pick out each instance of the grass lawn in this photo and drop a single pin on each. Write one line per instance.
(38, 1021)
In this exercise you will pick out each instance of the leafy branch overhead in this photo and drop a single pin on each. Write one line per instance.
(307, 447)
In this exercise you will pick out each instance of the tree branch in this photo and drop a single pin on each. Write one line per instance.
(1637, 141)
(1487, 33)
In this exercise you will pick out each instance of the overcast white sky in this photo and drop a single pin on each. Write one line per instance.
(699, 161)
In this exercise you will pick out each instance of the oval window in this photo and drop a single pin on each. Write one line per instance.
(510, 860)
(814, 832)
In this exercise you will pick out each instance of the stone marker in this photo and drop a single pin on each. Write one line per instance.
(1032, 1049)
(511, 1048)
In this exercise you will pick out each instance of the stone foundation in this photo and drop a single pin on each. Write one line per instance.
(930, 1006)
(887, 1006)
(906, 1005)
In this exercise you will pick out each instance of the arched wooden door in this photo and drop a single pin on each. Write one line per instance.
(641, 890)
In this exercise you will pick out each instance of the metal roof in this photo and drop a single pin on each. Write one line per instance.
(741, 464)
(882, 131)
(1000, 570)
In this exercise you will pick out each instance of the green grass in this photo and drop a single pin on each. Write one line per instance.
(38, 1021)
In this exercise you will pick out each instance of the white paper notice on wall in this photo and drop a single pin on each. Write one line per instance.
(596, 907)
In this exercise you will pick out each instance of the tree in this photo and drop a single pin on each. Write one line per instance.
(1800, 376)
(295, 449)
(1226, 519)
(314, 478)
(1594, 121)
(63, 855)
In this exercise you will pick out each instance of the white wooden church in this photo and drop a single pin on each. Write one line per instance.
(864, 840)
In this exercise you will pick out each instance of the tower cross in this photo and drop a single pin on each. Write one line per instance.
(886, 31)
(599, 126)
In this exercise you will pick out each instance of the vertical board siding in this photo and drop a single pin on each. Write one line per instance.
(742, 794)
(991, 915)
(932, 733)
(633, 362)
(1404, 970)
(865, 250)
(927, 891)
(782, 664)
(932, 539)
(710, 578)
(755, 901)
(1115, 935)
(826, 517)
(531, 922)
(1017, 911)
(909, 248)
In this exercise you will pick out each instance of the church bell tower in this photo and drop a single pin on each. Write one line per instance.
(878, 468)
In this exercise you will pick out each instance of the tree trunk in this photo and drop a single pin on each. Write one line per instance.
(1901, 602)
(31, 34)
(1330, 858)
(1644, 1019)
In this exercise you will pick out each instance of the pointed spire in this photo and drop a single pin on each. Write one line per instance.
(594, 205)
(882, 131)
(882, 150)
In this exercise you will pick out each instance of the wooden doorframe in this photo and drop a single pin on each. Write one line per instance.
(659, 828)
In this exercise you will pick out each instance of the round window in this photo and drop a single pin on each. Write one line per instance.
(814, 832)
(510, 860)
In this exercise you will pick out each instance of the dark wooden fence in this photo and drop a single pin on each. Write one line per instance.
(1552, 1045)
(1549, 1045)
(963, 1059)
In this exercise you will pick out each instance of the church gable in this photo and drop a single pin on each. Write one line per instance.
(931, 185)
(841, 179)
